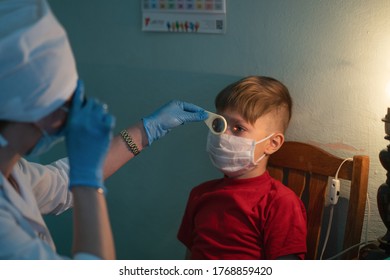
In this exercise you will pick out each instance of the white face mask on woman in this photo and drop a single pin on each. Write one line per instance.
(46, 142)
(233, 155)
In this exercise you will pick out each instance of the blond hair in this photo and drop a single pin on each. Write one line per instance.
(255, 96)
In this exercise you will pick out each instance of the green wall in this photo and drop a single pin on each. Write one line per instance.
(332, 55)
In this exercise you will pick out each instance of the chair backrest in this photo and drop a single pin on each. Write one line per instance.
(307, 168)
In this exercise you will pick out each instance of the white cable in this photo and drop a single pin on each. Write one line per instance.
(366, 242)
(352, 247)
(328, 230)
(337, 173)
(332, 210)
(368, 216)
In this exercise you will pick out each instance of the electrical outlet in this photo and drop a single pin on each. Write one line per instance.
(334, 192)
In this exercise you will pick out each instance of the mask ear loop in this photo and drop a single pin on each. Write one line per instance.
(265, 139)
(3, 142)
(262, 140)
(260, 158)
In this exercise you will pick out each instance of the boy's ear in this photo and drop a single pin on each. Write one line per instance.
(276, 141)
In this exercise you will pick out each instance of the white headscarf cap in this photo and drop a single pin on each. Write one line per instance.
(37, 68)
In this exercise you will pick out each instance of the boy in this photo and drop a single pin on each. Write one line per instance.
(246, 214)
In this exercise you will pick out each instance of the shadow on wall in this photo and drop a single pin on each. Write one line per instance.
(335, 241)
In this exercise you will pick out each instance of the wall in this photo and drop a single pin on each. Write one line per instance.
(332, 55)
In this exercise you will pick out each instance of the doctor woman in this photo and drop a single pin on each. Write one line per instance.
(42, 102)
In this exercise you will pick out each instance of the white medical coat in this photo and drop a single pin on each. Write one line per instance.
(44, 190)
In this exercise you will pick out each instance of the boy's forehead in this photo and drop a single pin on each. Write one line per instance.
(234, 117)
(231, 115)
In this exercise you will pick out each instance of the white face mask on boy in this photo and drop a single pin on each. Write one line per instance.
(233, 155)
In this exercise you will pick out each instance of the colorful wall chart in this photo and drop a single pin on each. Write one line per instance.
(189, 16)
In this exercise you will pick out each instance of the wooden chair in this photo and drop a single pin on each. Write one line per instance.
(307, 168)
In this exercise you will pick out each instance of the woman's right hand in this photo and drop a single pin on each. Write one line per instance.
(88, 136)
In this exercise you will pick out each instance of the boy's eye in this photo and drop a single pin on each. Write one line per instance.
(238, 128)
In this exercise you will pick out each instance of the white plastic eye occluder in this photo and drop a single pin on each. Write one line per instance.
(216, 123)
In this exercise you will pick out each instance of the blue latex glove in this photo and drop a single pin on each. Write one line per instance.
(171, 115)
(88, 137)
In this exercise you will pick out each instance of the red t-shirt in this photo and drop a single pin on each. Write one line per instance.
(254, 218)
